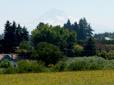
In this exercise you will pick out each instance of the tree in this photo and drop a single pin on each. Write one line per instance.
(76, 29)
(82, 32)
(90, 47)
(7, 30)
(89, 31)
(71, 41)
(48, 53)
(55, 35)
(13, 35)
(68, 26)
(77, 50)
(24, 49)
(5, 64)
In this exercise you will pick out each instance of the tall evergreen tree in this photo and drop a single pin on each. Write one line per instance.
(18, 37)
(90, 47)
(82, 33)
(68, 26)
(87, 28)
(13, 35)
(7, 30)
(24, 33)
(76, 29)
(89, 31)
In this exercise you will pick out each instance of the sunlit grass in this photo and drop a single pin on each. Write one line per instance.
(98, 77)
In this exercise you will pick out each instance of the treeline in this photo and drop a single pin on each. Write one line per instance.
(13, 35)
(106, 34)
(83, 29)
(51, 44)
(72, 40)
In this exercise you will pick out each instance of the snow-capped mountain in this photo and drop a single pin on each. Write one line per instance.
(52, 17)
(58, 17)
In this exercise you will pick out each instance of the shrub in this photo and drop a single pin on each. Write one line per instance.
(30, 66)
(111, 54)
(9, 70)
(86, 63)
(5, 64)
(1, 70)
(103, 54)
(60, 67)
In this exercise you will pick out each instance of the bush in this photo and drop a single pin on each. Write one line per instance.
(86, 63)
(60, 67)
(103, 54)
(5, 64)
(109, 64)
(9, 70)
(30, 66)
(1, 70)
(111, 54)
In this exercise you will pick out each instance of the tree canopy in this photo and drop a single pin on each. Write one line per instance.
(83, 29)
(48, 53)
(55, 35)
(90, 47)
(13, 35)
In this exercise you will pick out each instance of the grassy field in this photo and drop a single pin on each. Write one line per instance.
(100, 77)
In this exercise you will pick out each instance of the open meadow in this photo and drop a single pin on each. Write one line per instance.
(97, 77)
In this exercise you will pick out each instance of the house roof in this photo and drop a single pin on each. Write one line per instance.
(12, 56)
(107, 38)
(6, 57)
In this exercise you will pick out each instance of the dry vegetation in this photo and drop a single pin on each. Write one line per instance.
(98, 77)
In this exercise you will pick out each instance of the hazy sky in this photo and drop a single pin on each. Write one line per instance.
(23, 11)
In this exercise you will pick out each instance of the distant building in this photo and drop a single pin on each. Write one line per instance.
(13, 58)
(104, 38)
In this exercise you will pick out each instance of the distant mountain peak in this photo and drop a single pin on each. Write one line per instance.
(52, 17)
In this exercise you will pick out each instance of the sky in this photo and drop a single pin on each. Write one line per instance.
(23, 11)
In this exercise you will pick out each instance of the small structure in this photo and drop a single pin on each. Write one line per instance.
(13, 58)
(107, 38)
(104, 38)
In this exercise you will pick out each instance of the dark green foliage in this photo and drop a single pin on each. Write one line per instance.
(13, 35)
(90, 47)
(9, 70)
(104, 54)
(24, 49)
(5, 64)
(71, 41)
(53, 34)
(77, 64)
(34, 55)
(24, 45)
(68, 26)
(83, 29)
(27, 67)
(48, 53)
(60, 67)
(106, 34)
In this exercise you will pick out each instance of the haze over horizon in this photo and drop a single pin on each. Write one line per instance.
(98, 13)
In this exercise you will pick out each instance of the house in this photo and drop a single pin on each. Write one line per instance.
(13, 58)
(104, 38)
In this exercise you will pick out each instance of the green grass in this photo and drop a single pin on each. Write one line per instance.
(98, 77)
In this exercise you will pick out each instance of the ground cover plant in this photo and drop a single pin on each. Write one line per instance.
(98, 77)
